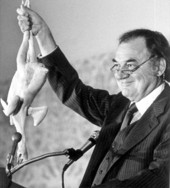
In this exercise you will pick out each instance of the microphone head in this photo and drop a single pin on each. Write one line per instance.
(16, 137)
(95, 135)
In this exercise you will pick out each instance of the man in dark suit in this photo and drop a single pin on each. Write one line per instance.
(132, 151)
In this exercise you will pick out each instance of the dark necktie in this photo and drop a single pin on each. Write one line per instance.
(129, 115)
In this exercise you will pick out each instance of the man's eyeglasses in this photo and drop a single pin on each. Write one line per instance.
(129, 68)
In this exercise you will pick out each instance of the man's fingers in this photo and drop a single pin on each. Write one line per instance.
(24, 23)
(24, 27)
(22, 11)
(23, 18)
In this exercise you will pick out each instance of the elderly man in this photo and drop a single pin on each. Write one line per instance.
(132, 148)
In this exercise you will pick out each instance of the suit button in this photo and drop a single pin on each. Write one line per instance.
(108, 158)
(101, 171)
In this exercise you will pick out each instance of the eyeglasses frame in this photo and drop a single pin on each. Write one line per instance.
(136, 68)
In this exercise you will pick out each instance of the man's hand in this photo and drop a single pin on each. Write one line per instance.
(30, 20)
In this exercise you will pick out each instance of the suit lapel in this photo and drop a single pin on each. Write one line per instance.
(139, 131)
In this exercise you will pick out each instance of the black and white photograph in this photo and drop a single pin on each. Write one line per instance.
(84, 93)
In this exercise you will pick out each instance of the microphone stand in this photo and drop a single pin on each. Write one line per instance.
(71, 153)
(35, 159)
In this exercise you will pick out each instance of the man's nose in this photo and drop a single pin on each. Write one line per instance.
(119, 75)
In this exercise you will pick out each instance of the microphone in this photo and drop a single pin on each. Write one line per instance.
(16, 138)
(90, 142)
(74, 155)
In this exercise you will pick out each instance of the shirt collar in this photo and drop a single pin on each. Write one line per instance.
(145, 103)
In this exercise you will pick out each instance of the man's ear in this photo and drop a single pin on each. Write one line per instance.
(161, 67)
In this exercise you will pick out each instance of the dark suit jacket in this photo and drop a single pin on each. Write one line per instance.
(142, 161)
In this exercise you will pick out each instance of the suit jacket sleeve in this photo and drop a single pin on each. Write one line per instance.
(93, 104)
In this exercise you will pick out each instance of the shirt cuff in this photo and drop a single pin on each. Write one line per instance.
(39, 57)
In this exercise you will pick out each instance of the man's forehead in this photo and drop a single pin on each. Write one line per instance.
(135, 48)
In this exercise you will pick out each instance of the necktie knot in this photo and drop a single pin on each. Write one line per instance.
(129, 115)
(132, 109)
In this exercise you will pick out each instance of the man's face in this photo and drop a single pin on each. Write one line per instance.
(143, 80)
